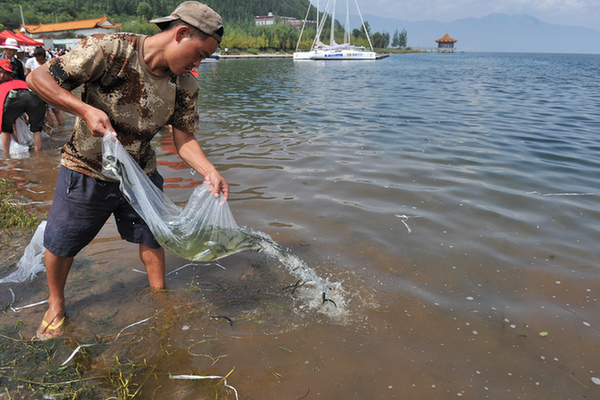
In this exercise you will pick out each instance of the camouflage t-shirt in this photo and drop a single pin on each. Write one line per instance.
(116, 80)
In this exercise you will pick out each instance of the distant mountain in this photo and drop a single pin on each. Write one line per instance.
(494, 33)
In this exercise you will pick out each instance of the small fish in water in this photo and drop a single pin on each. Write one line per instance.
(325, 299)
(294, 286)
(229, 320)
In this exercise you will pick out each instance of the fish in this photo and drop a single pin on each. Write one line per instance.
(110, 163)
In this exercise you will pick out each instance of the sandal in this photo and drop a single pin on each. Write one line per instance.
(51, 330)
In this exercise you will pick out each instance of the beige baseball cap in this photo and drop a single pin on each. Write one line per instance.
(197, 15)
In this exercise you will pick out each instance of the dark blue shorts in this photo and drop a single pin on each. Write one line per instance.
(81, 207)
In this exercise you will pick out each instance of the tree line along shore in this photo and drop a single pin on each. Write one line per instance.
(241, 32)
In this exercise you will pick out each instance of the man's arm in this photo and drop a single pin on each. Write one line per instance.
(43, 84)
(190, 151)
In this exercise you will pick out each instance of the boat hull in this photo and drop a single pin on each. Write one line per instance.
(344, 55)
(329, 55)
(303, 55)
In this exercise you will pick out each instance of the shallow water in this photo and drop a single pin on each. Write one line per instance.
(449, 201)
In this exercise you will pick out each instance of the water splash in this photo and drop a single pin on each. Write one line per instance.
(205, 230)
(314, 292)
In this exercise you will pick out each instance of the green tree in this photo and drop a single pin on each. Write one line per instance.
(261, 42)
(140, 26)
(402, 38)
(380, 40)
(366, 29)
(399, 39)
(145, 11)
(395, 39)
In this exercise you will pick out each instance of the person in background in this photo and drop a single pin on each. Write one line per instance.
(21, 56)
(38, 58)
(11, 47)
(53, 117)
(18, 99)
(133, 85)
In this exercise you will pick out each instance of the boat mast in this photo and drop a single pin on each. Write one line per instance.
(363, 24)
(303, 25)
(347, 24)
(321, 25)
(331, 37)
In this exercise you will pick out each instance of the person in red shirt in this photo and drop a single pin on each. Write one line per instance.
(18, 99)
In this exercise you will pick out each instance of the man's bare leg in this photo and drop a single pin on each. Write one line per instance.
(57, 270)
(37, 141)
(154, 260)
(59, 117)
(6, 143)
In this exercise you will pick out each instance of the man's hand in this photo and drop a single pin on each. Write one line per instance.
(218, 184)
(97, 121)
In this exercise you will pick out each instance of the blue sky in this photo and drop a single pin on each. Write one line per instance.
(564, 12)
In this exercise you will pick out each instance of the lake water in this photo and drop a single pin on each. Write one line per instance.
(450, 201)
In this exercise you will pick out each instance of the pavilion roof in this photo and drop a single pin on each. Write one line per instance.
(446, 39)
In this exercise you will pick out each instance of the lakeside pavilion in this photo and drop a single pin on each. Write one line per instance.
(446, 44)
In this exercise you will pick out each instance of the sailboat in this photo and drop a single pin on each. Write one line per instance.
(334, 51)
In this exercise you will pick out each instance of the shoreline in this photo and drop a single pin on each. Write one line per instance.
(236, 56)
(380, 54)
(260, 56)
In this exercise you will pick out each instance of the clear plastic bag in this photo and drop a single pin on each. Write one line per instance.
(32, 261)
(203, 230)
(24, 132)
(18, 150)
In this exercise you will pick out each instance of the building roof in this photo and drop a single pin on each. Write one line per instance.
(446, 39)
(72, 25)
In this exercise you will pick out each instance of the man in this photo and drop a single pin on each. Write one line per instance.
(11, 47)
(38, 58)
(21, 56)
(133, 85)
(17, 99)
